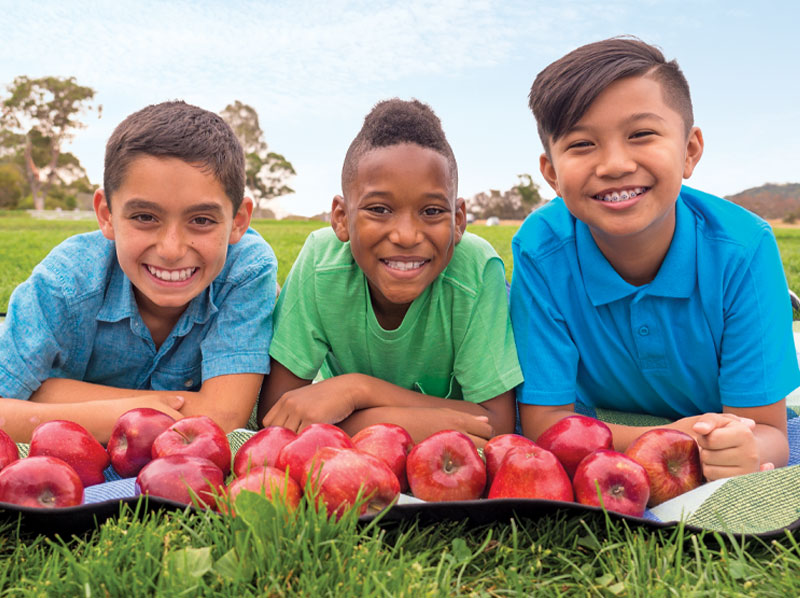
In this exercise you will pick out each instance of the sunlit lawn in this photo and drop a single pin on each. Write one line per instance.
(264, 552)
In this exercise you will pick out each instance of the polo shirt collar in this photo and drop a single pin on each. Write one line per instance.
(119, 303)
(675, 278)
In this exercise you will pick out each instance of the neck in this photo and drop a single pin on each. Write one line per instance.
(637, 258)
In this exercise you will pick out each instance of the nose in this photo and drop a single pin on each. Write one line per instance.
(171, 246)
(405, 232)
(615, 161)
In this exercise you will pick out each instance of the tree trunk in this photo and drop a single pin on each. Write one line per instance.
(32, 174)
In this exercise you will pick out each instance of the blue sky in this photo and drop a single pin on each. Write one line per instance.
(313, 70)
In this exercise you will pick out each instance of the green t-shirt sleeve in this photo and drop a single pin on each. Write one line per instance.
(299, 342)
(486, 363)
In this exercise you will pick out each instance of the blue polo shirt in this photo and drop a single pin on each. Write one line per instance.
(76, 317)
(713, 328)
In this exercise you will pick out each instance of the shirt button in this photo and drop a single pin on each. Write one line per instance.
(188, 383)
(644, 331)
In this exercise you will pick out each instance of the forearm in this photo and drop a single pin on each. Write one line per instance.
(773, 445)
(419, 422)
(228, 399)
(369, 393)
(22, 417)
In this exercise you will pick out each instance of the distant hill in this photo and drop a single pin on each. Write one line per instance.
(771, 201)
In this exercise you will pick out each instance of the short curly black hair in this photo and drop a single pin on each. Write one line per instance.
(177, 130)
(396, 121)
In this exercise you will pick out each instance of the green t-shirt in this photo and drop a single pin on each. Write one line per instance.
(455, 341)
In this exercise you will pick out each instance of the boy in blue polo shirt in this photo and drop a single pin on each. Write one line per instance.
(167, 306)
(631, 292)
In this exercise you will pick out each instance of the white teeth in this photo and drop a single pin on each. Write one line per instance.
(171, 275)
(622, 195)
(403, 265)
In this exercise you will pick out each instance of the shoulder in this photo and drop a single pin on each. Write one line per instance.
(250, 257)
(546, 230)
(322, 253)
(722, 221)
(468, 266)
(79, 266)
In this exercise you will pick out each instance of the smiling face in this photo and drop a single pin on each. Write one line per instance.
(620, 168)
(403, 221)
(171, 224)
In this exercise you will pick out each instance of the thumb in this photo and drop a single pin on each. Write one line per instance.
(175, 401)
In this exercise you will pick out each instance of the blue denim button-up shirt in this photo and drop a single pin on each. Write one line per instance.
(76, 317)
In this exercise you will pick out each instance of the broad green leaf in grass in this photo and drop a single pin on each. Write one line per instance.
(188, 563)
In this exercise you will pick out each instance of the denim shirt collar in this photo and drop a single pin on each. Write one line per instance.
(119, 303)
(675, 278)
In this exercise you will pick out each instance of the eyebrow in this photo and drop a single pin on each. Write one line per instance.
(637, 116)
(152, 206)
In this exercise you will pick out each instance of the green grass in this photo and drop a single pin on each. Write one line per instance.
(264, 552)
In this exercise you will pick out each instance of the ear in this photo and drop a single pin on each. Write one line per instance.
(241, 220)
(339, 218)
(461, 218)
(549, 172)
(694, 150)
(103, 214)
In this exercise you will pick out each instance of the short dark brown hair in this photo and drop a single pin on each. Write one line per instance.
(562, 93)
(396, 121)
(177, 130)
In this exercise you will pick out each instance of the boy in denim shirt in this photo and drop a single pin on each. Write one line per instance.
(167, 306)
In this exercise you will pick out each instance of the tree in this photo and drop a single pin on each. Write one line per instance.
(514, 204)
(267, 172)
(39, 117)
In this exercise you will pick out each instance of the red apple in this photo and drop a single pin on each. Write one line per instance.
(197, 436)
(269, 481)
(446, 466)
(262, 449)
(132, 436)
(531, 472)
(40, 482)
(390, 443)
(338, 474)
(623, 482)
(496, 450)
(177, 477)
(8, 450)
(72, 443)
(572, 438)
(296, 453)
(671, 459)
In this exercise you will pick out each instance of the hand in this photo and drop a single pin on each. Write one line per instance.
(329, 401)
(477, 427)
(728, 445)
(165, 402)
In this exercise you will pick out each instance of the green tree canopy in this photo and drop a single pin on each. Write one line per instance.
(38, 117)
(514, 204)
(267, 172)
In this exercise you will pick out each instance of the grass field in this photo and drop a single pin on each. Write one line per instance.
(265, 552)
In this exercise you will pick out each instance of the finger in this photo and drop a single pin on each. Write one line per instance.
(716, 472)
(732, 436)
(478, 441)
(767, 467)
(175, 401)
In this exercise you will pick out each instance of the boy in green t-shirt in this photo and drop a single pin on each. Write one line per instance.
(404, 313)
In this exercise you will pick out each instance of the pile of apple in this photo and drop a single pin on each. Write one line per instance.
(189, 460)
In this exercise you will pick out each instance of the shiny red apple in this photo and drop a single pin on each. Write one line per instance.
(573, 437)
(671, 459)
(446, 466)
(8, 450)
(623, 483)
(132, 437)
(180, 477)
(390, 443)
(262, 449)
(496, 449)
(296, 453)
(269, 481)
(531, 472)
(72, 443)
(337, 475)
(40, 482)
(197, 436)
